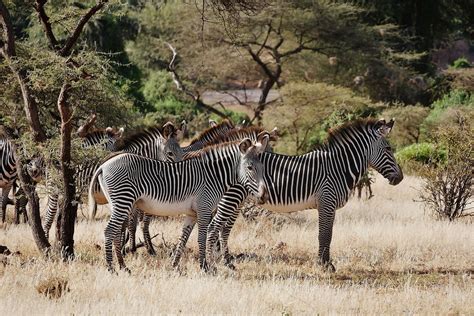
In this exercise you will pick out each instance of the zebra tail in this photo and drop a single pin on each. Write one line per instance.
(92, 203)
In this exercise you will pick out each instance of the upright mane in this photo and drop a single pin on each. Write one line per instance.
(125, 142)
(208, 149)
(237, 134)
(225, 124)
(337, 132)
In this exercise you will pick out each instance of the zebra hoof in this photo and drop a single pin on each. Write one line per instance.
(152, 252)
(126, 270)
(329, 267)
(230, 265)
(112, 270)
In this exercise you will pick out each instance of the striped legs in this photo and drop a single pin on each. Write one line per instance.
(20, 206)
(326, 222)
(113, 235)
(146, 234)
(50, 213)
(132, 229)
(5, 200)
(189, 222)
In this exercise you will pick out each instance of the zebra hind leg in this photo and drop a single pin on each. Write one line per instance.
(50, 213)
(146, 235)
(188, 226)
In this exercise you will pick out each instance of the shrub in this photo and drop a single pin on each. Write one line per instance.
(448, 184)
(461, 63)
(424, 153)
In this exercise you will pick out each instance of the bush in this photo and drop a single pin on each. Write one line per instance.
(424, 153)
(461, 63)
(445, 111)
(448, 184)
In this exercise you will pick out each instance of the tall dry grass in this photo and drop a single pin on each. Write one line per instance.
(390, 257)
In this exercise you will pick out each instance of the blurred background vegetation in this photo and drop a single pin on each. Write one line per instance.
(303, 66)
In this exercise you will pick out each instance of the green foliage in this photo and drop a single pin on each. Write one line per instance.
(423, 153)
(461, 63)
(447, 110)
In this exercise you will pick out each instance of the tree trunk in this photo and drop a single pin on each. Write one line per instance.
(33, 210)
(68, 209)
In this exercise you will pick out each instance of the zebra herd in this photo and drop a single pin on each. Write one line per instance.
(149, 174)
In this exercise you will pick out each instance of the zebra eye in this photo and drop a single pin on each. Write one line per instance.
(170, 153)
(250, 168)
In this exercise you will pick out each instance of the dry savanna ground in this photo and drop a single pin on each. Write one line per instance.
(391, 257)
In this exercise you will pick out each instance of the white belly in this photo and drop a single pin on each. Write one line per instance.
(289, 208)
(158, 208)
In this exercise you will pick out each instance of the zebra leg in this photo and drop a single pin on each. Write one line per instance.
(50, 213)
(132, 229)
(224, 240)
(326, 221)
(146, 234)
(113, 235)
(5, 201)
(203, 222)
(189, 222)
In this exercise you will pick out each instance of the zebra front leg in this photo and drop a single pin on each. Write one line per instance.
(326, 222)
(5, 201)
(50, 213)
(203, 222)
(224, 240)
(146, 234)
(189, 222)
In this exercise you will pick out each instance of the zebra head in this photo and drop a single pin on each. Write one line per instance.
(169, 148)
(36, 168)
(111, 137)
(381, 156)
(251, 168)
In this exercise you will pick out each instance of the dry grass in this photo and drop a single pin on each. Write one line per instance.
(390, 257)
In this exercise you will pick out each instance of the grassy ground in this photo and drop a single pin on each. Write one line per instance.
(390, 257)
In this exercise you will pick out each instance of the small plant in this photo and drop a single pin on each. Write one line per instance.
(448, 188)
(52, 287)
(461, 63)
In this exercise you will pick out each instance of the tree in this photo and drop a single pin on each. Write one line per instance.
(54, 78)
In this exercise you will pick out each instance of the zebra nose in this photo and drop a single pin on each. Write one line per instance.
(263, 196)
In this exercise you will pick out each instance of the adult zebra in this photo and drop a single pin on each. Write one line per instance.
(321, 179)
(100, 138)
(191, 186)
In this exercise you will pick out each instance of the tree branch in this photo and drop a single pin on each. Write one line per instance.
(66, 50)
(43, 17)
(181, 87)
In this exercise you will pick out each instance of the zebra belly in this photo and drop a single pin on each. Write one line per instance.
(161, 208)
(290, 208)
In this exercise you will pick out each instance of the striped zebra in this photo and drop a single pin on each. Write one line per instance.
(8, 172)
(235, 135)
(213, 135)
(322, 179)
(191, 187)
(101, 138)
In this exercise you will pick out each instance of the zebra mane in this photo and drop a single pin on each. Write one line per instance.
(124, 142)
(238, 134)
(225, 124)
(336, 133)
(209, 149)
(99, 131)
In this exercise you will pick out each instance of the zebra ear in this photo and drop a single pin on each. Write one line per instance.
(384, 128)
(120, 132)
(169, 130)
(245, 145)
(212, 123)
(262, 141)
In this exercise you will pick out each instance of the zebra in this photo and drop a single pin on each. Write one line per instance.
(8, 172)
(216, 133)
(250, 132)
(102, 138)
(191, 187)
(322, 179)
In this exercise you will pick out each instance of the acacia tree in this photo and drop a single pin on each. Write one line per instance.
(54, 79)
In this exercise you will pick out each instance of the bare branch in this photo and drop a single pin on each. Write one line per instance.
(66, 50)
(43, 17)
(7, 47)
(85, 128)
(181, 87)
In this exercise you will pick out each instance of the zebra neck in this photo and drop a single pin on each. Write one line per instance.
(221, 166)
(350, 160)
